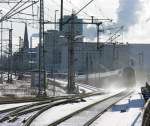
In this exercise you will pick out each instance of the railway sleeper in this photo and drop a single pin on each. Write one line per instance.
(12, 119)
(25, 119)
(4, 119)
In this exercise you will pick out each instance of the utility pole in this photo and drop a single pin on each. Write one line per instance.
(98, 33)
(61, 16)
(71, 71)
(1, 78)
(53, 61)
(56, 18)
(99, 47)
(10, 58)
(42, 74)
(21, 53)
(114, 54)
(87, 67)
(141, 55)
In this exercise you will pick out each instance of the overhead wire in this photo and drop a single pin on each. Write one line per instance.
(73, 5)
(16, 10)
(19, 7)
(11, 10)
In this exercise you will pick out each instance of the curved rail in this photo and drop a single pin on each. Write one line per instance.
(86, 108)
(88, 123)
(25, 109)
(70, 100)
(14, 113)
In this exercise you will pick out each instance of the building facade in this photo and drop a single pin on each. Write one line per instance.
(87, 56)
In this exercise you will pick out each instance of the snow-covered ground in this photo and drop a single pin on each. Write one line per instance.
(131, 115)
(19, 121)
(82, 87)
(127, 112)
(97, 75)
(17, 88)
(21, 88)
(58, 112)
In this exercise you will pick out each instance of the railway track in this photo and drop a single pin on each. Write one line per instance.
(87, 115)
(95, 117)
(27, 113)
(35, 102)
(28, 121)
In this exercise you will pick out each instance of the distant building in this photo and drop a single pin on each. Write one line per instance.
(109, 57)
(139, 59)
(78, 26)
(88, 59)
(54, 42)
(26, 58)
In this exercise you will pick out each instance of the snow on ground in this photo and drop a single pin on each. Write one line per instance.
(18, 121)
(104, 74)
(82, 87)
(117, 118)
(132, 116)
(21, 88)
(18, 88)
(88, 88)
(58, 112)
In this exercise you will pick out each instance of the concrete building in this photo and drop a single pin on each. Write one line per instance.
(109, 57)
(78, 26)
(139, 59)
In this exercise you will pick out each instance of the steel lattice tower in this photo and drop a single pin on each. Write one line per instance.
(71, 69)
(10, 57)
(42, 83)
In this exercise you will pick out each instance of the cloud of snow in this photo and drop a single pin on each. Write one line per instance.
(128, 12)
(90, 32)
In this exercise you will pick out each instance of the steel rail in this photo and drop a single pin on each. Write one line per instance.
(39, 102)
(81, 110)
(88, 123)
(70, 100)
(25, 109)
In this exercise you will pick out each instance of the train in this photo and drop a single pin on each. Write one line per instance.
(120, 78)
